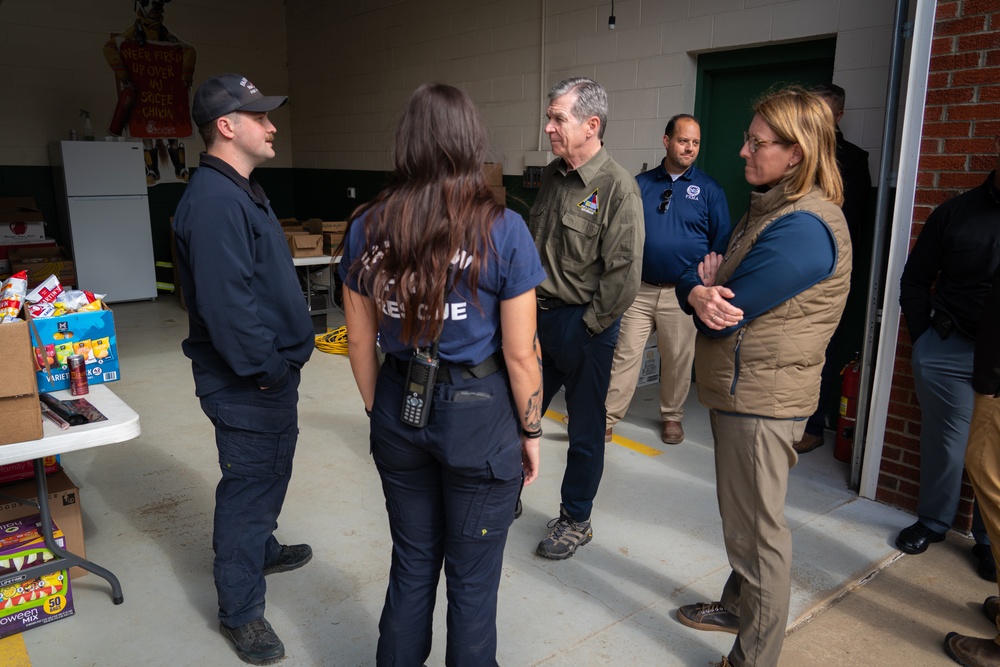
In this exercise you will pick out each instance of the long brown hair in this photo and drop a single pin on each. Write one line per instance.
(436, 205)
(800, 117)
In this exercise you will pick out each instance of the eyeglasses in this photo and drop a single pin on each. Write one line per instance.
(665, 204)
(754, 143)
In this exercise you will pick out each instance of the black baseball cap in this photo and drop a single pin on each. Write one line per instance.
(227, 93)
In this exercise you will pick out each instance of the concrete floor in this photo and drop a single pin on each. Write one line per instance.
(147, 507)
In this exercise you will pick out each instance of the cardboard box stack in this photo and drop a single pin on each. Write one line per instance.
(42, 262)
(494, 178)
(28, 599)
(21, 226)
(22, 414)
(64, 503)
(332, 231)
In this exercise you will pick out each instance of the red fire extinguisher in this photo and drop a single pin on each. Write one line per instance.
(848, 409)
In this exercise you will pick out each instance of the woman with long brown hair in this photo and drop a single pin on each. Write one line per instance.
(443, 278)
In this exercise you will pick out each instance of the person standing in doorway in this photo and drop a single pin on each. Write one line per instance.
(686, 217)
(587, 226)
(250, 334)
(852, 161)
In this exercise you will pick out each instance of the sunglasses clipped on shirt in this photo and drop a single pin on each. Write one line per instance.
(665, 204)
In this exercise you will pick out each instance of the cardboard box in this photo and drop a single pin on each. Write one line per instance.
(323, 226)
(91, 334)
(15, 472)
(20, 221)
(332, 241)
(649, 371)
(292, 224)
(26, 599)
(40, 263)
(499, 194)
(64, 502)
(306, 245)
(20, 411)
(494, 173)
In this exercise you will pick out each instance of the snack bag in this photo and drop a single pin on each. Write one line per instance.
(84, 348)
(42, 309)
(46, 292)
(12, 296)
(63, 352)
(45, 354)
(101, 347)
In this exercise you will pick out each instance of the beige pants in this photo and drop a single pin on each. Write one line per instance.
(982, 462)
(653, 308)
(752, 458)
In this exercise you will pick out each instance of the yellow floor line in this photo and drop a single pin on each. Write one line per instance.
(13, 652)
(617, 439)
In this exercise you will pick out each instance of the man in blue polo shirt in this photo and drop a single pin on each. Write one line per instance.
(686, 217)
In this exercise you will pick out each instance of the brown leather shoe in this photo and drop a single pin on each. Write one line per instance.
(808, 443)
(673, 433)
(710, 616)
(972, 651)
(991, 607)
(607, 435)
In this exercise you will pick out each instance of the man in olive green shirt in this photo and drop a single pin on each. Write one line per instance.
(588, 227)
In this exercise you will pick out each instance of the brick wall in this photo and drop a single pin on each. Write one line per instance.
(961, 119)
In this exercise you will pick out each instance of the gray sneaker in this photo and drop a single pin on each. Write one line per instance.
(566, 535)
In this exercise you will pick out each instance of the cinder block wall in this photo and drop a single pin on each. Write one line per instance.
(962, 116)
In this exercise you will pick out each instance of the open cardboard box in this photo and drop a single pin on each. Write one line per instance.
(21, 412)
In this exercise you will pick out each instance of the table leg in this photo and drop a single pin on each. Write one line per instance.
(68, 559)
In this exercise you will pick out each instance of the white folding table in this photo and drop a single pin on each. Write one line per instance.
(122, 424)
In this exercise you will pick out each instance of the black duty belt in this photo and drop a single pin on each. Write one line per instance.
(659, 284)
(548, 303)
(488, 366)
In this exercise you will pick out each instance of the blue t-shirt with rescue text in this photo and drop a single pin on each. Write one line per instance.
(471, 332)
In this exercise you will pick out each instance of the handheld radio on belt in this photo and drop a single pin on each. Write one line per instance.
(420, 387)
(420, 378)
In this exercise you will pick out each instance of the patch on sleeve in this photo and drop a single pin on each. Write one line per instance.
(590, 204)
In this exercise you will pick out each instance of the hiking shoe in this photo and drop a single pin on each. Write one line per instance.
(709, 616)
(293, 556)
(255, 642)
(566, 535)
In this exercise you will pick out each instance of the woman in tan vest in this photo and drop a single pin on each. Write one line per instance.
(765, 312)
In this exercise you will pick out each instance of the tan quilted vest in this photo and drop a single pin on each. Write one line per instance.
(771, 367)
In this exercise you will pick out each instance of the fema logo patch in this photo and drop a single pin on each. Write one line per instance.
(693, 191)
(590, 204)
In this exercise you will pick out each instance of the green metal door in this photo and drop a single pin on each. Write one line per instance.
(728, 83)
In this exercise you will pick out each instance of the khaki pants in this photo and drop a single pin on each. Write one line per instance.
(982, 461)
(653, 308)
(752, 458)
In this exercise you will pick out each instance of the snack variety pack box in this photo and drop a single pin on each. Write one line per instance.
(28, 599)
(15, 472)
(91, 334)
(64, 503)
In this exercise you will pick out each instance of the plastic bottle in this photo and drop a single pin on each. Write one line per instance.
(88, 127)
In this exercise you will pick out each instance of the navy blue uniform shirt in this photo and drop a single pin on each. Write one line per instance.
(248, 318)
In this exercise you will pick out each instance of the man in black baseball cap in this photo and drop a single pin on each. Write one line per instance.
(250, 334)
(226, 93)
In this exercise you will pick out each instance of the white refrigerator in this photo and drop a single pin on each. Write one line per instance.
(101, 187)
